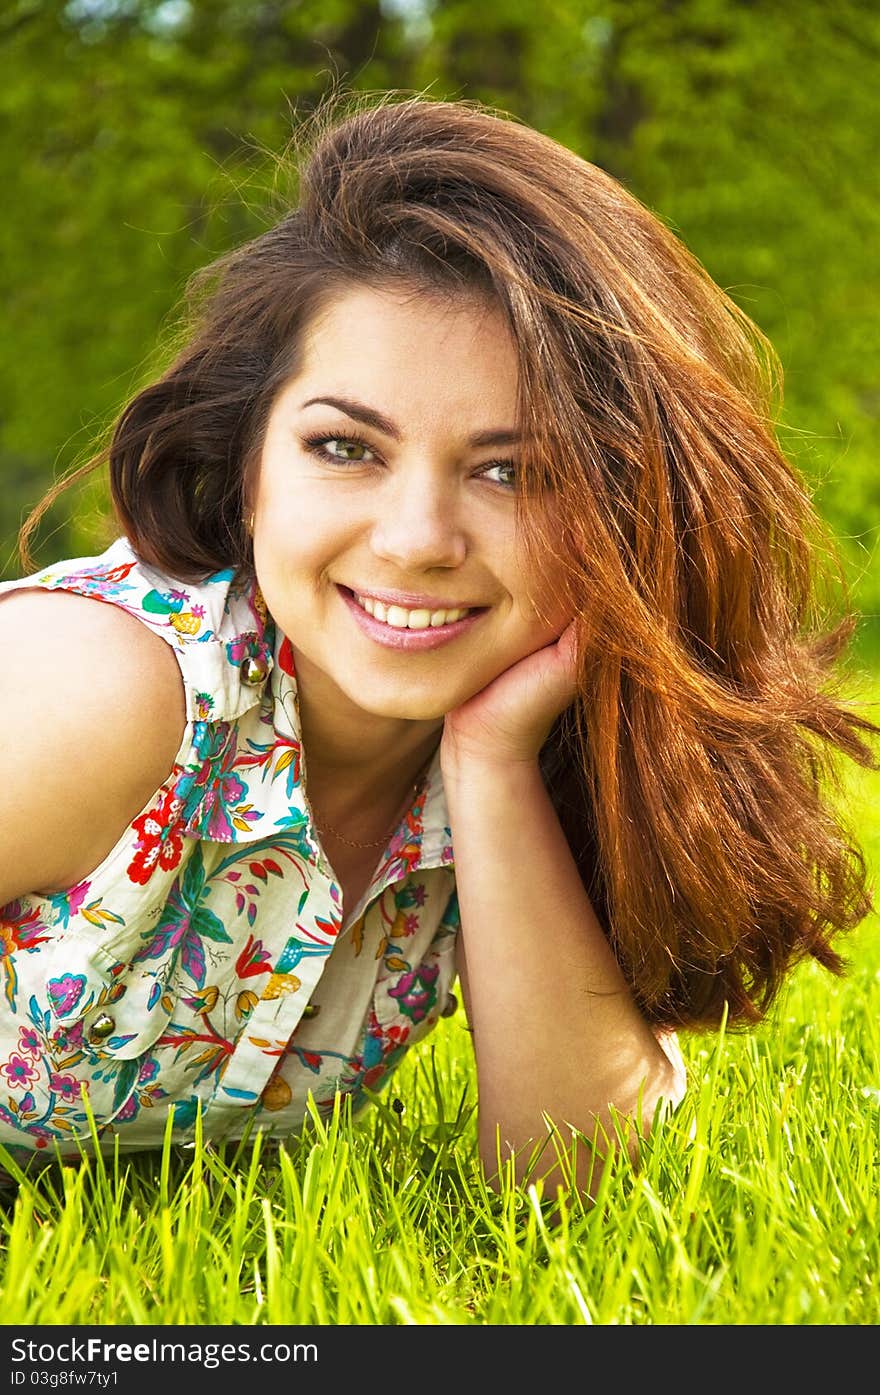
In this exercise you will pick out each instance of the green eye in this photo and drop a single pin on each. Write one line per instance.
(350, 447)
(502, 472)
(352, 451)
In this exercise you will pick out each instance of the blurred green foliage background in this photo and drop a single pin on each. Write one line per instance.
(136, 144)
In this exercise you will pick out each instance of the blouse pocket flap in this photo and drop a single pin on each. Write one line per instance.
(107, 1008)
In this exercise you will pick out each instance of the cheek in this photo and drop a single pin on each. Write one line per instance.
(537, 591)
(298, 534)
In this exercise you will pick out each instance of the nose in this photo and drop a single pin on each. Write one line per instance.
(419, 523)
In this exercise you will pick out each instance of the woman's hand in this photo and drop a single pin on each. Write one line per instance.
(510, 719)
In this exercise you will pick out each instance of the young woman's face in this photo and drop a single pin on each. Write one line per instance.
(384, 517)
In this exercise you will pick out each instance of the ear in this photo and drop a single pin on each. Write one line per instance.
(249, 493)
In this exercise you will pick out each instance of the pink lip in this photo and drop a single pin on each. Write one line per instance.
(392, 638)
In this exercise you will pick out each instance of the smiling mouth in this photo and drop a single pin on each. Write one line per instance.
(398, 617)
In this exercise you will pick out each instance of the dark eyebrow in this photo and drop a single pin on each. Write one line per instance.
(358, 412)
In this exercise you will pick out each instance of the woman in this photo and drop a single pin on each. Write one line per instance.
(461, 625)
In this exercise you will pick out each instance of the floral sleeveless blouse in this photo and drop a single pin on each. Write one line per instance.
(204, 964)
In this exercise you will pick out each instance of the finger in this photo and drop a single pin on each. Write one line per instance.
(566, 649)
(567, 643)
(559, 677)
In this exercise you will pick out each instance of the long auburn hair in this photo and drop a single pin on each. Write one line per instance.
(693, 775)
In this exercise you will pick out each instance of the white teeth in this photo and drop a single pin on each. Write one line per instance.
(401, 619)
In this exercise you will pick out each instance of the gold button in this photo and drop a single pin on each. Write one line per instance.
(102, 1027)
(277, 1093)
(311, 1009)
(253, 670)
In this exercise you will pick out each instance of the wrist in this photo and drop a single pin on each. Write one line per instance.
(469, 768)
(464, 755)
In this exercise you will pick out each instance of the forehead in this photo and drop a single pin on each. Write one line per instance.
(415, 353)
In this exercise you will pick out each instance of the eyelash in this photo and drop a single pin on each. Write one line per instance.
(315, 445)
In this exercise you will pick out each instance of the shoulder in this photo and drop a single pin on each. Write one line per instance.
(81, 655)
(92, 709)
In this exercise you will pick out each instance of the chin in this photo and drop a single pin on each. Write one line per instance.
(403, 709)
(404, 702)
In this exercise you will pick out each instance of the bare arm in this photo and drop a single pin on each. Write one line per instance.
(91, 717)
(555, 1028)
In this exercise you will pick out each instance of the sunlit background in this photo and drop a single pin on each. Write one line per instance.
(139, 138)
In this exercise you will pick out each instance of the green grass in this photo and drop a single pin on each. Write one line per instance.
(756, 1203)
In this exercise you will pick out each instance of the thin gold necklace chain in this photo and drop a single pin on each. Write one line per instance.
(324, 827)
